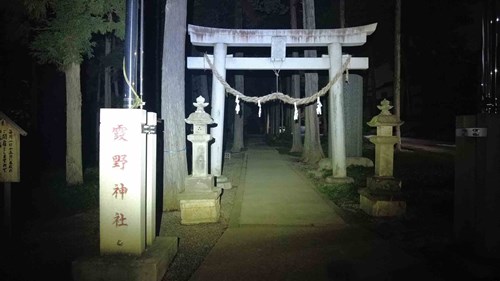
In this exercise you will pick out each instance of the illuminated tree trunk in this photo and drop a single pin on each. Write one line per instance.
(74, 169)
(313, 152)
(172, 103)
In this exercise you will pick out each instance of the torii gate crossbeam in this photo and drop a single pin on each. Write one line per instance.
(334, 39)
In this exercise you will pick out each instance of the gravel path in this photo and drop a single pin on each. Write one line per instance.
(196, 241)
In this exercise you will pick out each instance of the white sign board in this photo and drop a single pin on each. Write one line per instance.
(122, 171)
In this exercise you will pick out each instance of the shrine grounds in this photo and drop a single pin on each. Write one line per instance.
(62, 223)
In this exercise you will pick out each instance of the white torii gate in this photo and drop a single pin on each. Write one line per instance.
(278, 39)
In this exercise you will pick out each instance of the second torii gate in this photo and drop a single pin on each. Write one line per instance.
(278, 40)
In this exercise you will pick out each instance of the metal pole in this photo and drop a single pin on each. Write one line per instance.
(141, 53)
(131, 57)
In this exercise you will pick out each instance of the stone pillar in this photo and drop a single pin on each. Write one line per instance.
(200, 201)
(218, 102)
(353, 116)
(151, 147)
(122, 189)
(336, 134)
(126, 206)
(382, 197)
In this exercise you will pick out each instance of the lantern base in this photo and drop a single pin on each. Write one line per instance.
(200, 207)
(389, 204)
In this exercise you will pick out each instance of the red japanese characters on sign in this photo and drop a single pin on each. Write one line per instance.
(119, 190)
(119, 220)
(119, 132)
(119, 161)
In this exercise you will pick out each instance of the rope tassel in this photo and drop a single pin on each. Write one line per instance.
(318, 107)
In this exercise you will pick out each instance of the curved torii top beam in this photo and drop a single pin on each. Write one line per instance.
(208, 36)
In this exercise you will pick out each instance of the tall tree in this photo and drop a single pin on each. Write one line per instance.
(397, 68)
(64, 39)
(342, 13)
(173, 102)
(239, 83)
(107, 73)
(313, 152)
(295, 87)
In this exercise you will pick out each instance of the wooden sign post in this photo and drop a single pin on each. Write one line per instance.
(9, 162)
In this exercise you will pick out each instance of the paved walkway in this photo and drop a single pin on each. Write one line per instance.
(281, 228)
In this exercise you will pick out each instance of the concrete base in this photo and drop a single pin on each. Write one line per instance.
(332, 179)
(199, 184)
(200, 207)
(150, 266)
(382, 205)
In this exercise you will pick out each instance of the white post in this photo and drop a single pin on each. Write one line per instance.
(151, 181)
(217, 113)
(336, 134)
(122, 177)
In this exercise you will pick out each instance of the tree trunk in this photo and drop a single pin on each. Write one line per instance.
(342, 13)
(238, 144)
(107, 74)
(397, 69)
(239, 83)
(296, 134)
(172, 103)
(74, 169)
(97, 121)
(313, 152)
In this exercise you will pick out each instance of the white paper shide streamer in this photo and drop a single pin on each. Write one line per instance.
(295, 112)
(237, 105)
(318, 107)
(260, 108)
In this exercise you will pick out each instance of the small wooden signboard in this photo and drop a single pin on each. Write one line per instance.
(9, 149)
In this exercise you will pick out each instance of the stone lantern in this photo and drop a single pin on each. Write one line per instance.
(383, 197)
(199, 138)
(200, 201)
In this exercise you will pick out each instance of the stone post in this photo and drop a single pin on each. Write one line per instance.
(218, 104)
(336, 134)
(382, 197)
(200, 201)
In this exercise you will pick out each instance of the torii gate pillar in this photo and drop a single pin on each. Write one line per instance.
(217, 113)
(336, 118)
